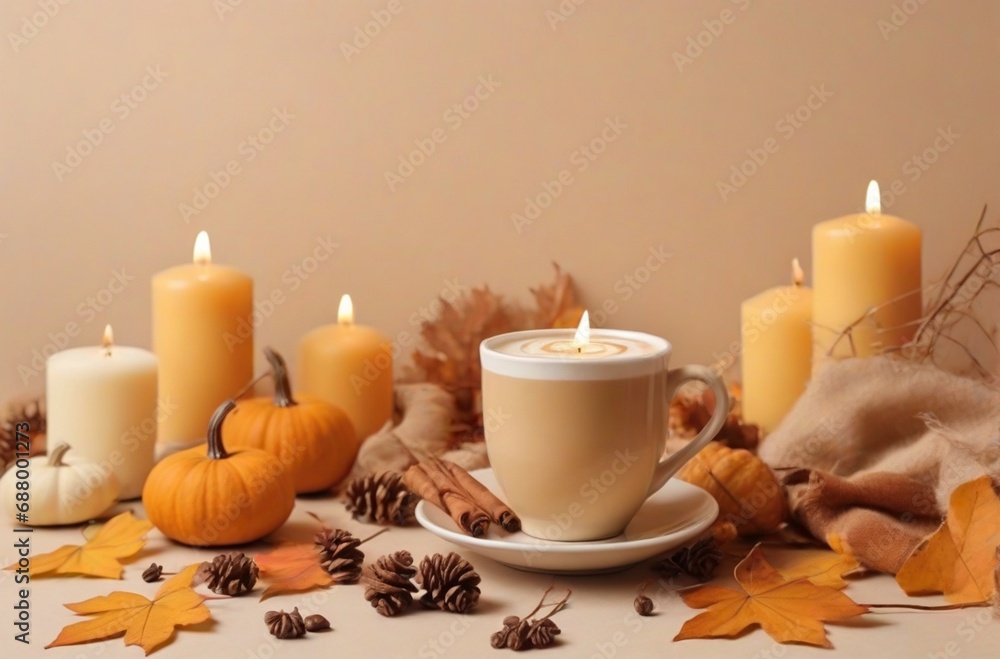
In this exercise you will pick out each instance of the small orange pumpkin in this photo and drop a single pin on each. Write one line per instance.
(748, 494)
(207, 496)
(314, 438)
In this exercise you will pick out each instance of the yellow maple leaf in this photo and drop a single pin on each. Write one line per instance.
(292, 568)
(789, 611)
(121, 537)
(958, 560)
(822, 567)
(143, 622)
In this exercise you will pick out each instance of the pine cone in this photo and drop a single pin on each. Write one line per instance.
(285, 625)
(339, 554)
(450, 581)
(698, 560)
(230, 574)
(389, 586)
(381, 498)
(25, 409)
(541, 633)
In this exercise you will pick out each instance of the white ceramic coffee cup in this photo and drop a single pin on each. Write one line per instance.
(576, 434)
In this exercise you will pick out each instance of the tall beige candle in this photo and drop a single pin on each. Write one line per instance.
(203, 337)
(864, 262)
(349, 366)
(777, 350)
(101, 400)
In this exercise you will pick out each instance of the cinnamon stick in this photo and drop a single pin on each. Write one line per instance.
(498, 511)
(437, 488)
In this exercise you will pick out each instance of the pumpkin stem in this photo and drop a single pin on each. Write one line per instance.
(56, 456)
(216, 449)
(282, 388)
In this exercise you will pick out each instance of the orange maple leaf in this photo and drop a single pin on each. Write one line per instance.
(822, 567)
(292, 568)
(144, 622)
(789, 611)
(958, 560)
(122, 536)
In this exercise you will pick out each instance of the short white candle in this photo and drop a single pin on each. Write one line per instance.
(101, 401)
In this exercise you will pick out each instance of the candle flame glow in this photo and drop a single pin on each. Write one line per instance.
(797, 275)
(202, 249)
(345, 313)
(107, 339)
(582, 336)
(873, 199)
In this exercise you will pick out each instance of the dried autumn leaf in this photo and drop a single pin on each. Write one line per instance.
(144, 622)
(823, 568)
(789, 611)
(292, 569)
(555, 303)
(121, 537)
(959, 559)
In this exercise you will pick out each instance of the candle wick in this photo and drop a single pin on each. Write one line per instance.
(107, 352)
(579, 349)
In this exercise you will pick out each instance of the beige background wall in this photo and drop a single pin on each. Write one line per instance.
(218, 76)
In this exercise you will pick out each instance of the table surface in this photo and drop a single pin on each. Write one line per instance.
(599, 621)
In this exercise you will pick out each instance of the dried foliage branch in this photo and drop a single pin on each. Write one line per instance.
(449, 354)
(950, 310)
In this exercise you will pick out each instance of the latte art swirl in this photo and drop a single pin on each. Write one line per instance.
(564, 348)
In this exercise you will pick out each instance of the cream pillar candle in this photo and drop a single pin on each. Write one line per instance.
(350, 366)
(203, 337)
(864, 262)
(102, 402)
(777, 350)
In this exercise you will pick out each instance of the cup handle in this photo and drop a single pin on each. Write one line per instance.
(675, 378)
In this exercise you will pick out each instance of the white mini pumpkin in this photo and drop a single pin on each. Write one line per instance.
(59, 490)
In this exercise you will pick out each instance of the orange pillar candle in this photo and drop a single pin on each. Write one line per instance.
(867, 262)
(777, 350)
(349, 366)
(203, 338)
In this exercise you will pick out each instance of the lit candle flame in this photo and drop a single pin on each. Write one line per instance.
(202, 249)
(107, 340)
(582, 336)
(345, 313)
(873, 199)
(797, 275)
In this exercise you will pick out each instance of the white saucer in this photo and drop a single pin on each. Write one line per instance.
(674, 515)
